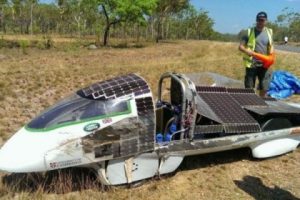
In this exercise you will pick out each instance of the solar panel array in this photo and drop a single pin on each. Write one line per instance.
(144, 105)
(208, 129)
(240, 90)
(226, 108)
(145, 108)
(210, 89)
(227, 104)
(248, 100)
(135, 134)
(246, 97)
(117, 87)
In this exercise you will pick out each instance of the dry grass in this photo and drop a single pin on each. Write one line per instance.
(30, 83)
(56, 38)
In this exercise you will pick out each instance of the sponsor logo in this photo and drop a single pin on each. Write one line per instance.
(91, 127)
(107, 120)
(66, 163)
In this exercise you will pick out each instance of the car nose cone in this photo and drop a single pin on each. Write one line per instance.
(21, 161)
(24, 152)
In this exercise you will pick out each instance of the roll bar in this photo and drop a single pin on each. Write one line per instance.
(183, 91)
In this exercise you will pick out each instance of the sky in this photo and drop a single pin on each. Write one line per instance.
(230, 16)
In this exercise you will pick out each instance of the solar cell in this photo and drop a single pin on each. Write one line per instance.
(248, 99)
(117, 87)
(210, 89)
(240, 90)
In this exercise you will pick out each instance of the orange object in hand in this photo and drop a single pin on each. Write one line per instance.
(267, 60)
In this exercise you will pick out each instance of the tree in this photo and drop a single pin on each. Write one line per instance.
(203, 25)
(117, 11)
(286, 24)
(3, 3)
(146, 19)
(32, 3)
(190, 23)
(164, 9)
(295, 27)
(47, 18)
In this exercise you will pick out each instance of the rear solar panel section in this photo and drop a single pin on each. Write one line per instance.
(246, 97)
(227, 105)
(226, 108)
(248, 100)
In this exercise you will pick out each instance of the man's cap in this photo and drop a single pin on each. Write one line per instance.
(261, 15)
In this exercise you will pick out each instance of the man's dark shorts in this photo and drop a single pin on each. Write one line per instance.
(264, 78)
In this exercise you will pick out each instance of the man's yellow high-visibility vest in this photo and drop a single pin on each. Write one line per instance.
(251, 44)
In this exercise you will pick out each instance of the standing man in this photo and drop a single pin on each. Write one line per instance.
(257, 39)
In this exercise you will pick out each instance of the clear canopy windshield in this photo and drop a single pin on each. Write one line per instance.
(213, 79)
(76, 109)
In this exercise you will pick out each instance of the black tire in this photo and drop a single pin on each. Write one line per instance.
(276, 124)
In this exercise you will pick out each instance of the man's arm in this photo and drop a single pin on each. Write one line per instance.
(271, 49)
(272, 46)
(271, 43)
(242, 48)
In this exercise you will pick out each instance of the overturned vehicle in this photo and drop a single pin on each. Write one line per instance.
(116, 128)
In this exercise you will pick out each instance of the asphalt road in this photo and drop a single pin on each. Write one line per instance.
(288, 48)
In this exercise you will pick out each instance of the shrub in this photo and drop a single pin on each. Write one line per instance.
(48, 42)
(24, 45)
(2, 42)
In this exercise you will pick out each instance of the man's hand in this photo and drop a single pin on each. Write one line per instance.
(243, 49)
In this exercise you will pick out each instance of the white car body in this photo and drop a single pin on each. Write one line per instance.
(122, 143)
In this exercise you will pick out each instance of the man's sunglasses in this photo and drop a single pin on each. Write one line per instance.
(261, 20)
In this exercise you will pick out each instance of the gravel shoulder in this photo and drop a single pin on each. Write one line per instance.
(288, 48)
